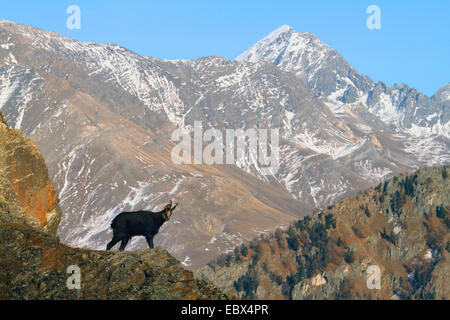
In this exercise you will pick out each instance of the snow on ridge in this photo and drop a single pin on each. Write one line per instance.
(305, 55)
(436, 129)
(18, 86)
(428, 150)
(254, 53)
(289, 49)
(277, 32)
(187, 261)
(8, 86)
(112, 63)
(368, 169)
(251, 55)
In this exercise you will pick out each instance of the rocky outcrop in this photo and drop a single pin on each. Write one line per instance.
(3, 119)
(25, 187)
(398, 230)
(35, 265)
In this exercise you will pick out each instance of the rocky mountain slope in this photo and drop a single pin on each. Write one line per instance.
(33, 262)
(103, 117)
(401, 227)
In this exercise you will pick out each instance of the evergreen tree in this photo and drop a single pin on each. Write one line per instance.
(244, 251)
(440, 212)
(330, 221)
(349, 256)
(293, 242)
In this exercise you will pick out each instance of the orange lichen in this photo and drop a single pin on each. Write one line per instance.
(52, 259)
(36, 202)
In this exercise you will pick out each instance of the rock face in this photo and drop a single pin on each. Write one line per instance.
(399, 230)
(25, 187)
(3, 119)
(34, 264)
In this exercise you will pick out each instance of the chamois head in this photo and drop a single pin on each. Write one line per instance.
(168, 210)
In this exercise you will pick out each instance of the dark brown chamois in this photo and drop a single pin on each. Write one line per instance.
(140, 223)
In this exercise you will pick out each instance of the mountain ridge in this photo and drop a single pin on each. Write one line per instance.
(399, 227)
(330, 76)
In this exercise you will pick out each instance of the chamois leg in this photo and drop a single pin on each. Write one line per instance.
(124, 243)
(149, 241)
(112, 243)
(116, 238)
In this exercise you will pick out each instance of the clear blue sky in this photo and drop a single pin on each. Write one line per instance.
(413, 45)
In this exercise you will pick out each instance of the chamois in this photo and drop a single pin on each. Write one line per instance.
(140, 223)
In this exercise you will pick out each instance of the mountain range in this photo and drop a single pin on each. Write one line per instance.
(103, 116)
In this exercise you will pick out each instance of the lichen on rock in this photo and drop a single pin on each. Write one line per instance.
(3, 119)
(34, 266)
(24, 180)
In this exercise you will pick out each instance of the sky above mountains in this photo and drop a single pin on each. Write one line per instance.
(412, 46)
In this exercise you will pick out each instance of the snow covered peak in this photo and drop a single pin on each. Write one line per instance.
(277, 43)
(443, 94)
(301, 53)
(283, 29)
